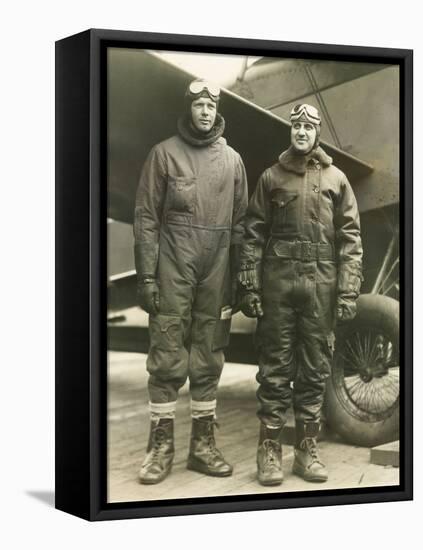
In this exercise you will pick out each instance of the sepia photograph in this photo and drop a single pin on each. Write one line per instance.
(253, 275)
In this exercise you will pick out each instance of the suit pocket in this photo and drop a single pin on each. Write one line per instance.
(165, 332)
(284, 209)
(182, 194)
(326, 354)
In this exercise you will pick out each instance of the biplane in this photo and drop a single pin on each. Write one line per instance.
(359, 104)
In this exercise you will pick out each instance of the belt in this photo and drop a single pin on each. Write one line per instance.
(304, 251)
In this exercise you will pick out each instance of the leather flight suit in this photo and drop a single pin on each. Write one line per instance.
(302, 243)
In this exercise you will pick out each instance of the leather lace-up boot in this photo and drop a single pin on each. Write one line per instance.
(157, 463)
(204, 456)
(307, 463)
(269, 456)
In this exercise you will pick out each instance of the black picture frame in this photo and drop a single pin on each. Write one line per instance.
(81, 292)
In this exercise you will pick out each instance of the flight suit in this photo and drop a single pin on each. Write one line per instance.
(190, 205)
(302, 242)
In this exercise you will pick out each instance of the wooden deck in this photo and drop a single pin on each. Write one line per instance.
(348, 466)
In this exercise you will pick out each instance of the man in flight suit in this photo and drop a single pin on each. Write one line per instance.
(190, 205)
(300, 271)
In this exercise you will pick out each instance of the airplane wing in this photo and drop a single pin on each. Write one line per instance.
(145, 98)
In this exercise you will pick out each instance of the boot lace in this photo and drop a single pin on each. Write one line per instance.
(272, 452)
(159, 439)
(309, 444)
(212, 451)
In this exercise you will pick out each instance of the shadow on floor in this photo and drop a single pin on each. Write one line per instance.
(46, 497)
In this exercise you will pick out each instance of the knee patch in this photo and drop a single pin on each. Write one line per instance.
(166, 332)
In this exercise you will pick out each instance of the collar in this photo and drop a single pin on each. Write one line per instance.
(198, 139)
(293, 162)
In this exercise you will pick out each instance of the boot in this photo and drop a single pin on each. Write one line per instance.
(160, 452)
(307, 463)
(269, 456)
(204, 456)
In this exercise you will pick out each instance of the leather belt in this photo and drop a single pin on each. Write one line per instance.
(304, 251)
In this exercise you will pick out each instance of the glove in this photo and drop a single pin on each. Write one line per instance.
(346, 309)
(249, 279)
(349, 284)
(250, 305)
(148, 295)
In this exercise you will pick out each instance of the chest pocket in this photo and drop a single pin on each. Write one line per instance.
(182, 194)
(284, 209)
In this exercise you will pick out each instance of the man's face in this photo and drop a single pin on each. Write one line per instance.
(303, 136)
(203, 113)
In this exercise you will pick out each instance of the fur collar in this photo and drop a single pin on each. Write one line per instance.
(191, 136)
(293, 162)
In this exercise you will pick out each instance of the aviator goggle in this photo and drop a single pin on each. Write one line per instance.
(198, 86)
(307, 112)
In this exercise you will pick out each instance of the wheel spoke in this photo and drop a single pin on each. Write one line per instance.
(352, 383)
(367, 347)
(379, 393)
(357, 359)
(372, 396)
(348, 361)
(359, 349)
(368, 363)
(373, 353)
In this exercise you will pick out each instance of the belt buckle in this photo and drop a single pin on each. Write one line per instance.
(296, 250)
(306, 251)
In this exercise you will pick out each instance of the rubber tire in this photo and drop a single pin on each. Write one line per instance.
(378, 312)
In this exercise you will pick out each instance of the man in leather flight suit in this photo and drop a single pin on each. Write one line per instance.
(190, 205)
(300, 271)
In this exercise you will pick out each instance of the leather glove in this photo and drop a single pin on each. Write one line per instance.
(248, 279)
(250, 305)
(148, 295)
(346, 309)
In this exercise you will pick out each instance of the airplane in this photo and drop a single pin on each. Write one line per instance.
(359, 104)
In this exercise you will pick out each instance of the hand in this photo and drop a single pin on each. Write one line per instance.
(346, 309)
(249, 279)
(148, 295)
(250, 305)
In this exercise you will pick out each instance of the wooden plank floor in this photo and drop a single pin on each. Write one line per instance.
(128, 427)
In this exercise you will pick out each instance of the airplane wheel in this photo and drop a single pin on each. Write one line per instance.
(362, 393)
